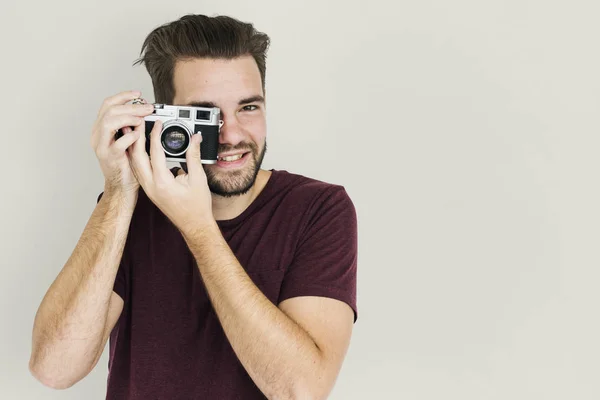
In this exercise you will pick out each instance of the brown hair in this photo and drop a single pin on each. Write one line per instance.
(198, 36)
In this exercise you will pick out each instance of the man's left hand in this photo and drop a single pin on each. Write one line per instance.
(184, 199)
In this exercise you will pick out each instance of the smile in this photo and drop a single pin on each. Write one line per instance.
(231, 158)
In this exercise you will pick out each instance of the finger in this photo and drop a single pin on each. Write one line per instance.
(140, 163)
(180, 171)
(193, 156)
(112, 124)
(123, 143)
(139, 110)
(141, 142)
(120, 98)
(124, 131)
(158, 160)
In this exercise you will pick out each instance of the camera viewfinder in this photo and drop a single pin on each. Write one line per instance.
(204, 115)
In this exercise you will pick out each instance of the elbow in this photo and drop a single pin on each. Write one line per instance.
(298, 391)
(308, 395)
(302, 395)
(59, 367)
(49, 377)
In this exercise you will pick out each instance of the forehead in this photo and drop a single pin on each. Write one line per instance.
(217, 80)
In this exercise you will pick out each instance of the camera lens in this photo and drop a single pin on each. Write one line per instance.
(175, 140)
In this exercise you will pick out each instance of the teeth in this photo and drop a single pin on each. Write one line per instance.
(231, 158)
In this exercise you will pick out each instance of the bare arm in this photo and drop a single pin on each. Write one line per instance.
(80, 309)
(292, 352)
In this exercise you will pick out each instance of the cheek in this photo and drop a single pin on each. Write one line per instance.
(255, 126)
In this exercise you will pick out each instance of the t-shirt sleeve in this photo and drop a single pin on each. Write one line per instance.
(325, 260)
(119, 285)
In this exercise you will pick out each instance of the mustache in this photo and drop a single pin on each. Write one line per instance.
(249, 146)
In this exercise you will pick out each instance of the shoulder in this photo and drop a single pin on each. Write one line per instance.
(309, 186)
(310, 193)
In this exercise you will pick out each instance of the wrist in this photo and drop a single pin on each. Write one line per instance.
(199, 229)
(120, 197)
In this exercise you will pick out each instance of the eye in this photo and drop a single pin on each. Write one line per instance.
(250, 107)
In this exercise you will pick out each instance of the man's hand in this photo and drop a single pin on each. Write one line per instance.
(184, 199)
(113, 154)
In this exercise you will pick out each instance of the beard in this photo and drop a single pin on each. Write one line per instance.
(235, 183)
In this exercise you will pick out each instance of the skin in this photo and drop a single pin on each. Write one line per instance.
(293, 350)
(223, 84)
(75, 317)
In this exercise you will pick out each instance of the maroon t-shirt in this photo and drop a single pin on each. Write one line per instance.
(298, 238)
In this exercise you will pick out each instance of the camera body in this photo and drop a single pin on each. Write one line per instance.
(179, 124)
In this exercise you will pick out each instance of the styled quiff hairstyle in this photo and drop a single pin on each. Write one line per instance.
(198, 36)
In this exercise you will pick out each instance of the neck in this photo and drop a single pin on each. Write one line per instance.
(225, 208)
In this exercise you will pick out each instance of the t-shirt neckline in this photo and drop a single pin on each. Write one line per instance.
(262, 197)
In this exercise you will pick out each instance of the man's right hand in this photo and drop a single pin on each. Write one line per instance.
(113, 154)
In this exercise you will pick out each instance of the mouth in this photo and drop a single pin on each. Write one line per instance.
(232, 160)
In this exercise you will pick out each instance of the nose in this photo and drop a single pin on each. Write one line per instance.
(231, 133)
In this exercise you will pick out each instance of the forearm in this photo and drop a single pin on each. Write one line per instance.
(277, 353)
(70, 322)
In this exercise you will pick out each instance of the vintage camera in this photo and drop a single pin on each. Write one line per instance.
(179, 124)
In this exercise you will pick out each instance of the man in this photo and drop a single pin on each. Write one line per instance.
(226, 281)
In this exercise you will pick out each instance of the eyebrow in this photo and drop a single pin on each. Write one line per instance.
(247, 100)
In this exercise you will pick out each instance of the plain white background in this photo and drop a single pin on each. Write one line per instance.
(466, 133)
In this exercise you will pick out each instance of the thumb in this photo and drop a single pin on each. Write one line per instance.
(192, 156)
